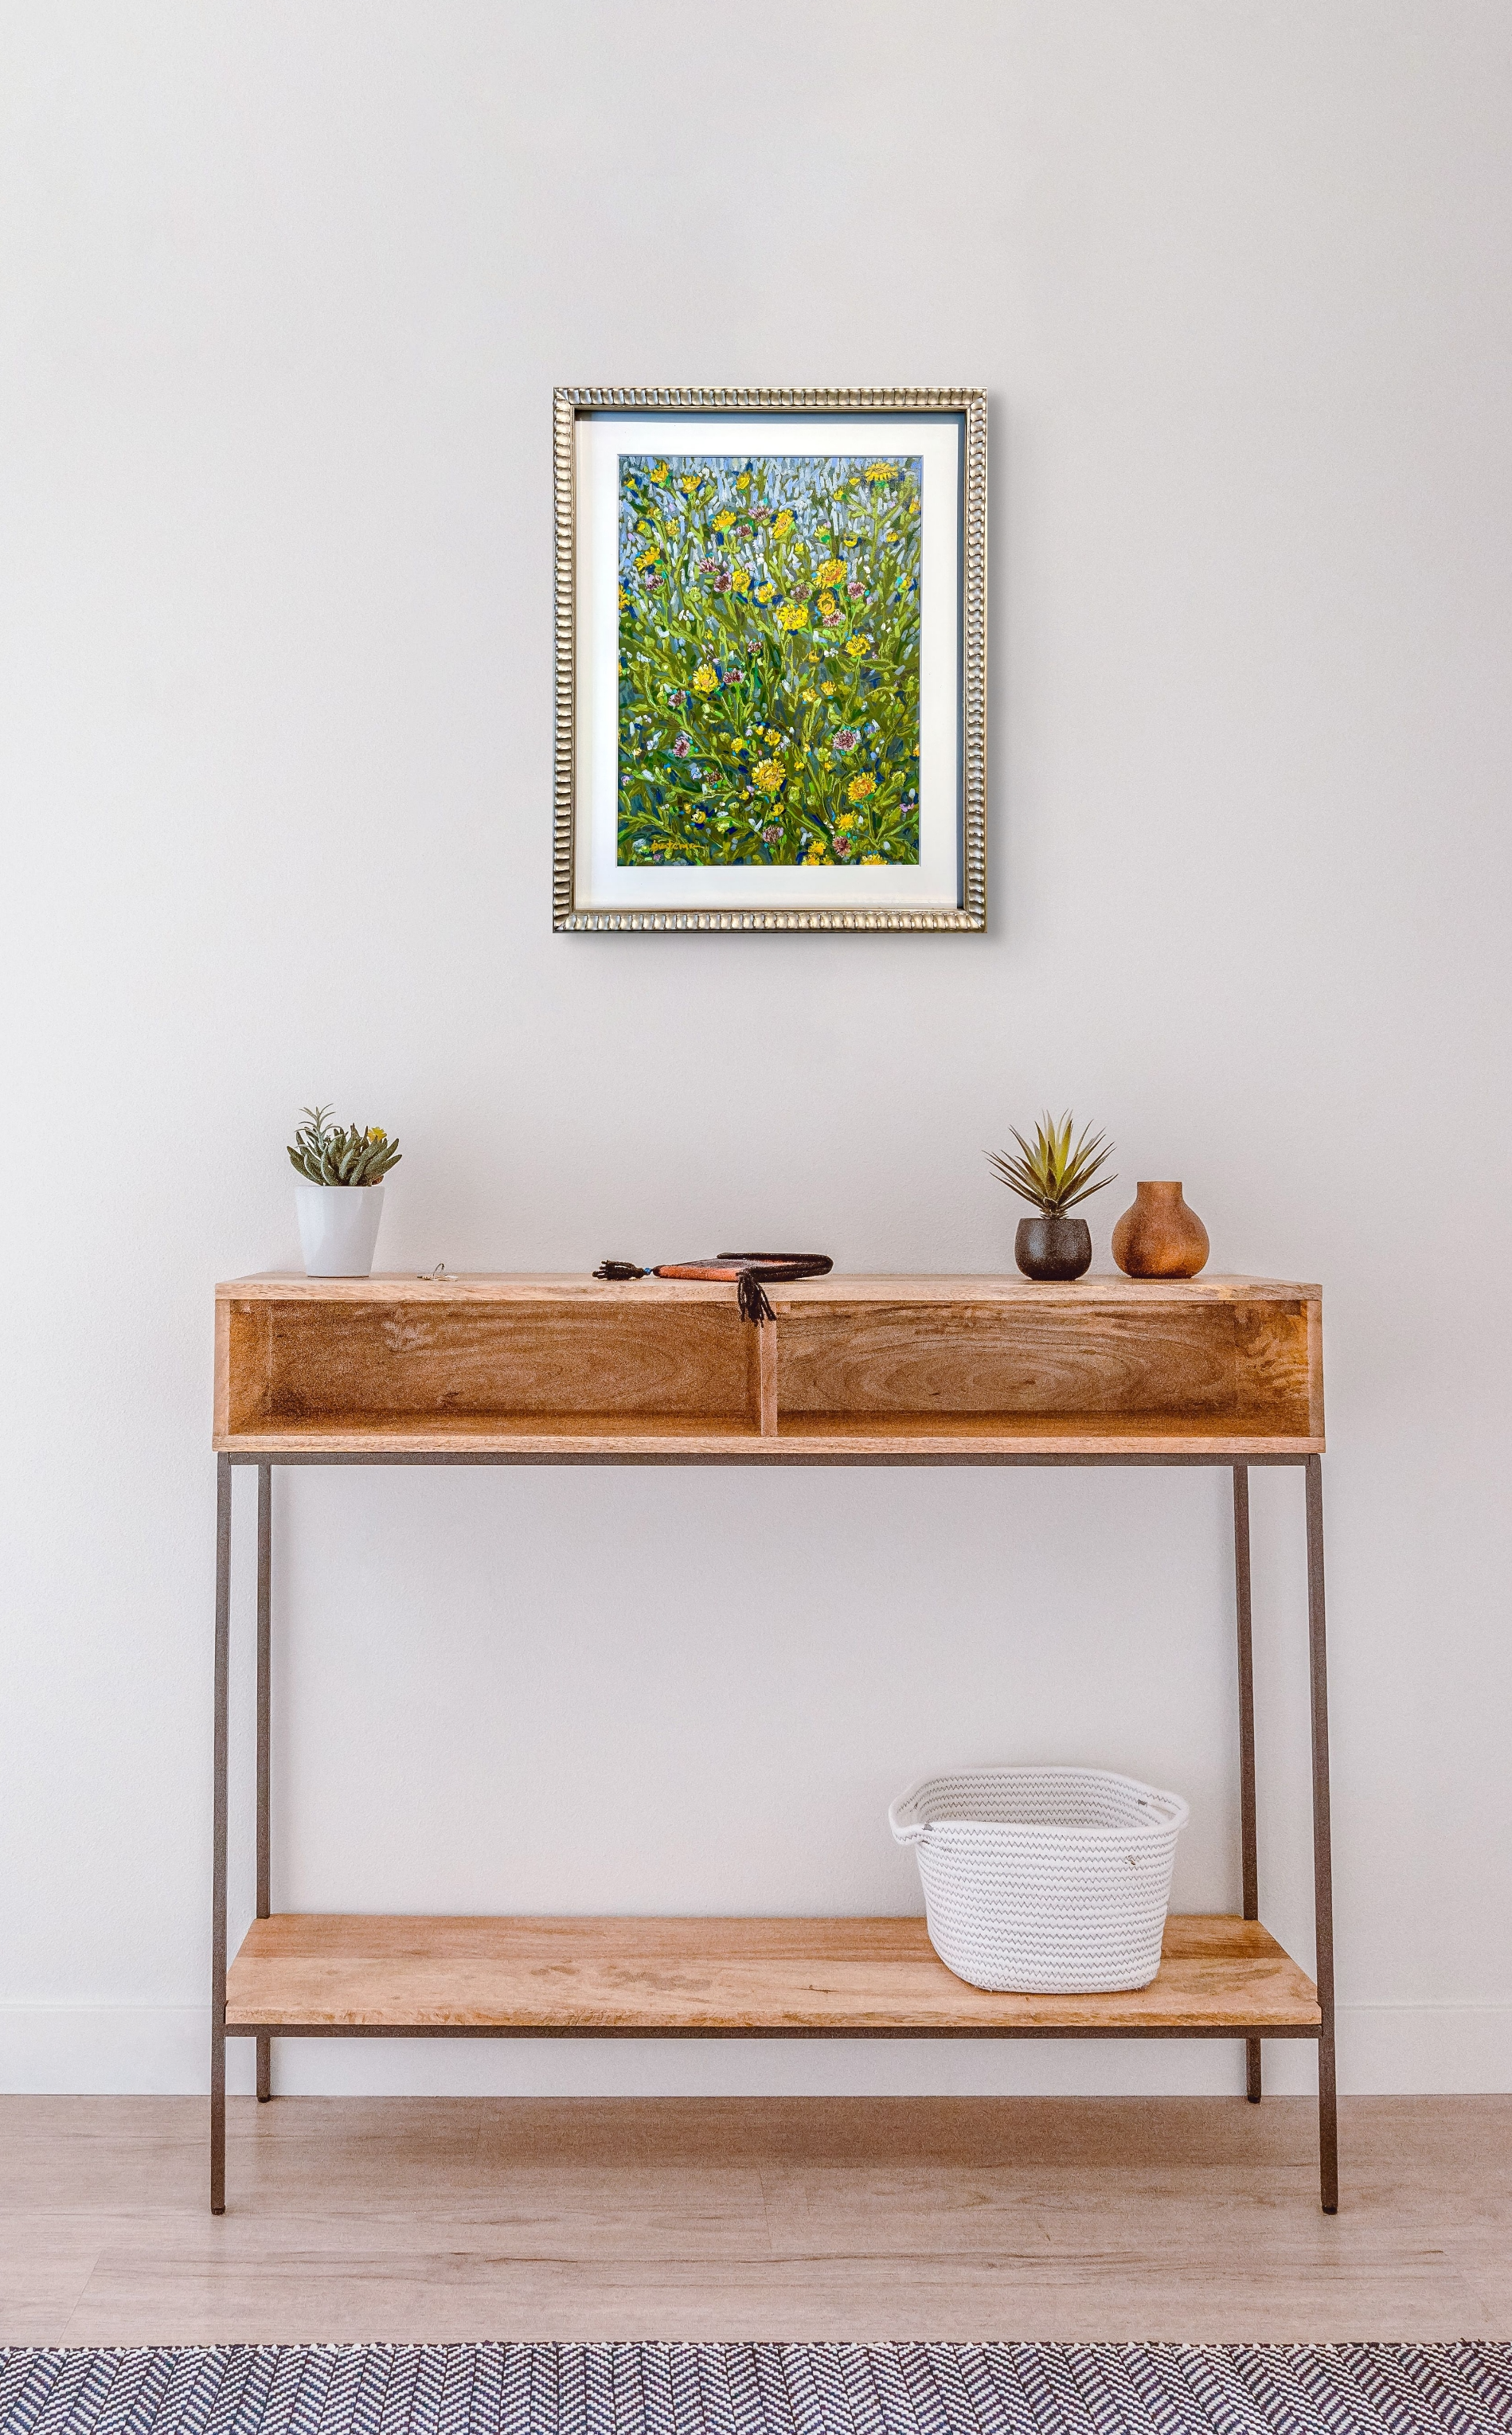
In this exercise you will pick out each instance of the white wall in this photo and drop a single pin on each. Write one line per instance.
(284, 291)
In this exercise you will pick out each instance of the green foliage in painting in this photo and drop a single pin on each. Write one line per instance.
(322, 1153)
(769, 646)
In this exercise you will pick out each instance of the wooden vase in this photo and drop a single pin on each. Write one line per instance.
(1159, 1237)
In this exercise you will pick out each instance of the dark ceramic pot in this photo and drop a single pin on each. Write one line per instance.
(1050, 1249)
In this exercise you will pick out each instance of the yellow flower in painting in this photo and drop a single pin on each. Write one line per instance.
(792, 614)
(771, 735)
(648, 557)
(861, 787)
(857, 645)
(765, 591)
(688, 482)
(724, 519)
(832, 571)
(740, 580)
(782, 525)
(705, 681)
(743, 481)
(625, 598)
(770, 776)
(913, 506)
(660, 471)
(826, 689)
(873, 858)
(809, 694)
(816, 853)
(845, 823)
(826, 604)
(881, 473)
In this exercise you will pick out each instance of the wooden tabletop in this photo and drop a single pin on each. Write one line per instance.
(550, 1286)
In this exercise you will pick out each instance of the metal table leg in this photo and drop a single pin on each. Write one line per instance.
(218, 1899)
(1328, 2130)
(1248, 1836)
(264, 1612)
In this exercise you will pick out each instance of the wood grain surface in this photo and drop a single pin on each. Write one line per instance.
(287, 1285)
(612, 1438)
(733, 1976)
(1242, 1363)
(438, 1362)
(852, 1368)
(939, 2219)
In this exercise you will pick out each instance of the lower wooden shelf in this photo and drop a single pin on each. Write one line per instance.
(341, 1975)
(900, 1436)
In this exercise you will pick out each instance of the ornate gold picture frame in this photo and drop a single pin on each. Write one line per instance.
(771, 644)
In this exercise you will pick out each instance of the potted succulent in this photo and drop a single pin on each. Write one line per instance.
(1055, 1174)
(340, 1198)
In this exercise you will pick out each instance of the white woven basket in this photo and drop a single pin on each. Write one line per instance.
(1044, 1880)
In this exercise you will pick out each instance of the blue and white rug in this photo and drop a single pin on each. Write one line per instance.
(762, 2389)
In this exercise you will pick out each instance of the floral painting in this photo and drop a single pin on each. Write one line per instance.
(768, 660)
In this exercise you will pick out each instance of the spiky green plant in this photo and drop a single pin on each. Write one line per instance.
(1052, 1172)
(325, 1154)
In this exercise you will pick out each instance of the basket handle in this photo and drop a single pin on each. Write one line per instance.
(1167, 1808)
(906, 1828)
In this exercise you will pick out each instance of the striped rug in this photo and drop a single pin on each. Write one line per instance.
(762, 2389)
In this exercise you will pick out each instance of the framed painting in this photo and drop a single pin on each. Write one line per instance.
(771, 630)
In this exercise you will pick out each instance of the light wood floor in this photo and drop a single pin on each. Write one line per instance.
(353, 2219)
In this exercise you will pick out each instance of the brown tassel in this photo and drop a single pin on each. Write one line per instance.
(752, 1299)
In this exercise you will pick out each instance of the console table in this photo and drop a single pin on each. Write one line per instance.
(923, 1369)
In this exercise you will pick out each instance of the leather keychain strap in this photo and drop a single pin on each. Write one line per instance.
(746, 1270)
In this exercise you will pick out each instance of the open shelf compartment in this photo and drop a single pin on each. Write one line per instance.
(1108, 1358)
(380, 1361)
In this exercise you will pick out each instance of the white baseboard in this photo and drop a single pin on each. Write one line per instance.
(129, 2049)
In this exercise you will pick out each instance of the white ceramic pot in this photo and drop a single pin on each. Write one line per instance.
(339, 1227)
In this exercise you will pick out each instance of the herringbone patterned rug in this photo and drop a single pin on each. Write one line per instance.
(762, 2389)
